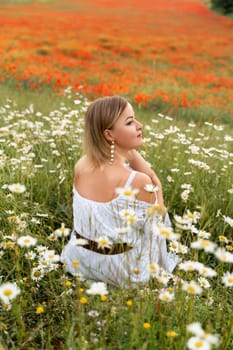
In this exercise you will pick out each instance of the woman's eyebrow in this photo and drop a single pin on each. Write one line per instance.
(129, 117)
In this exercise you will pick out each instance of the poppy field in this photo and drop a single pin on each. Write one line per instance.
(175, 55)
(173, 61)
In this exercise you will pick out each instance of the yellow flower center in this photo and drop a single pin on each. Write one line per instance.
(191, 216)
(75, 263)
(7, 292)
(37, 273)
(199, 344)
(191, 289)
(230, 279)
(127, 193)
(205, 243)
(165, 233)
(103, 242)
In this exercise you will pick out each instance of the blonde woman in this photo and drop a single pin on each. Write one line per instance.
(114, 238)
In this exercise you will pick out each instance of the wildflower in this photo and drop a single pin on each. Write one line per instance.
(201, 339)
(167, 233)
(171, 334)
(195, 343)
(83, 300)
(26, 241)
(164, 277)
(125, 213)
(129, 193)
(151, 188)
(203, 234)
(37, 274)
(75, 263)
(146, 325)
(204, 282)
(223, 239)
(68, 284)
(122, 230)
(103, 297)
(156, 210)
(192, 287)
(182, 223)
(228, 220)
(227, 279)
(166, 295)
(190, 265)
(97, 288)
(177, 247)
(93, 313)
(17, 188)
(223, 255)
(103, 242)
(40, 310)
(170, 179)
(30, 255)
(153, 269)
(129, 303)
(80, 242)
(206, 271)
(204, 244)
(62, 231)
(8, 292)
(50, 257)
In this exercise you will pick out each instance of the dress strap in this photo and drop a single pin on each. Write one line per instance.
(130, 178)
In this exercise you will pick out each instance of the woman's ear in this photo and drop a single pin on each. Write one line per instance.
(108, 135)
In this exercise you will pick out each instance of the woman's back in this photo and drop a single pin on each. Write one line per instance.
(99, 184)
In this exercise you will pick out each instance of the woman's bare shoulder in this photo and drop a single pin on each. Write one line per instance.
(80, 165)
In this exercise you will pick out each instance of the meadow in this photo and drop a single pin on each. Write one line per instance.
(173, 61)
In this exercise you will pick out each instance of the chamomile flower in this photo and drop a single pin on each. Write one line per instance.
(190, 265)
(192, 287)
(204, 283)
(204, 244)
(26, 241)
(97, 288)
(128, 192)
(228, 220)
(153, 269)
(8, 292)
(17, 188)
(151, 188)
(62, 231)
(167, 232)
(196, 343)
(166, 295)
(223, 255)
(227, 279)
(104, 242)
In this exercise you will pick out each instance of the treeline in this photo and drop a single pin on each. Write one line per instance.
(224, 6)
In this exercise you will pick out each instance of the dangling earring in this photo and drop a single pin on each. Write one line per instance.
(112, 152)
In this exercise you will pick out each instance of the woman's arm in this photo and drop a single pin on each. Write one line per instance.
(137, 162)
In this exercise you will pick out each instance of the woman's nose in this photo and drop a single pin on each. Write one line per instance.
(139, 125)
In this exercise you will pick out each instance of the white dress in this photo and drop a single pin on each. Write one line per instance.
(97, 219)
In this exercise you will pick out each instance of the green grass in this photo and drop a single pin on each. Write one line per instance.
(41, 138)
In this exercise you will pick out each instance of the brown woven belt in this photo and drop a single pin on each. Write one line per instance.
(116, 248)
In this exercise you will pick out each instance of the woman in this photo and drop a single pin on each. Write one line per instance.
(115, 236)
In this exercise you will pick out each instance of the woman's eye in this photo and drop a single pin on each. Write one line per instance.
(129, 123)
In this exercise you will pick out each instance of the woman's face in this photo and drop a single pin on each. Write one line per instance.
(127, 131)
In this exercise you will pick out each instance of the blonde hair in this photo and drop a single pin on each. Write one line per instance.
(101, 114)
